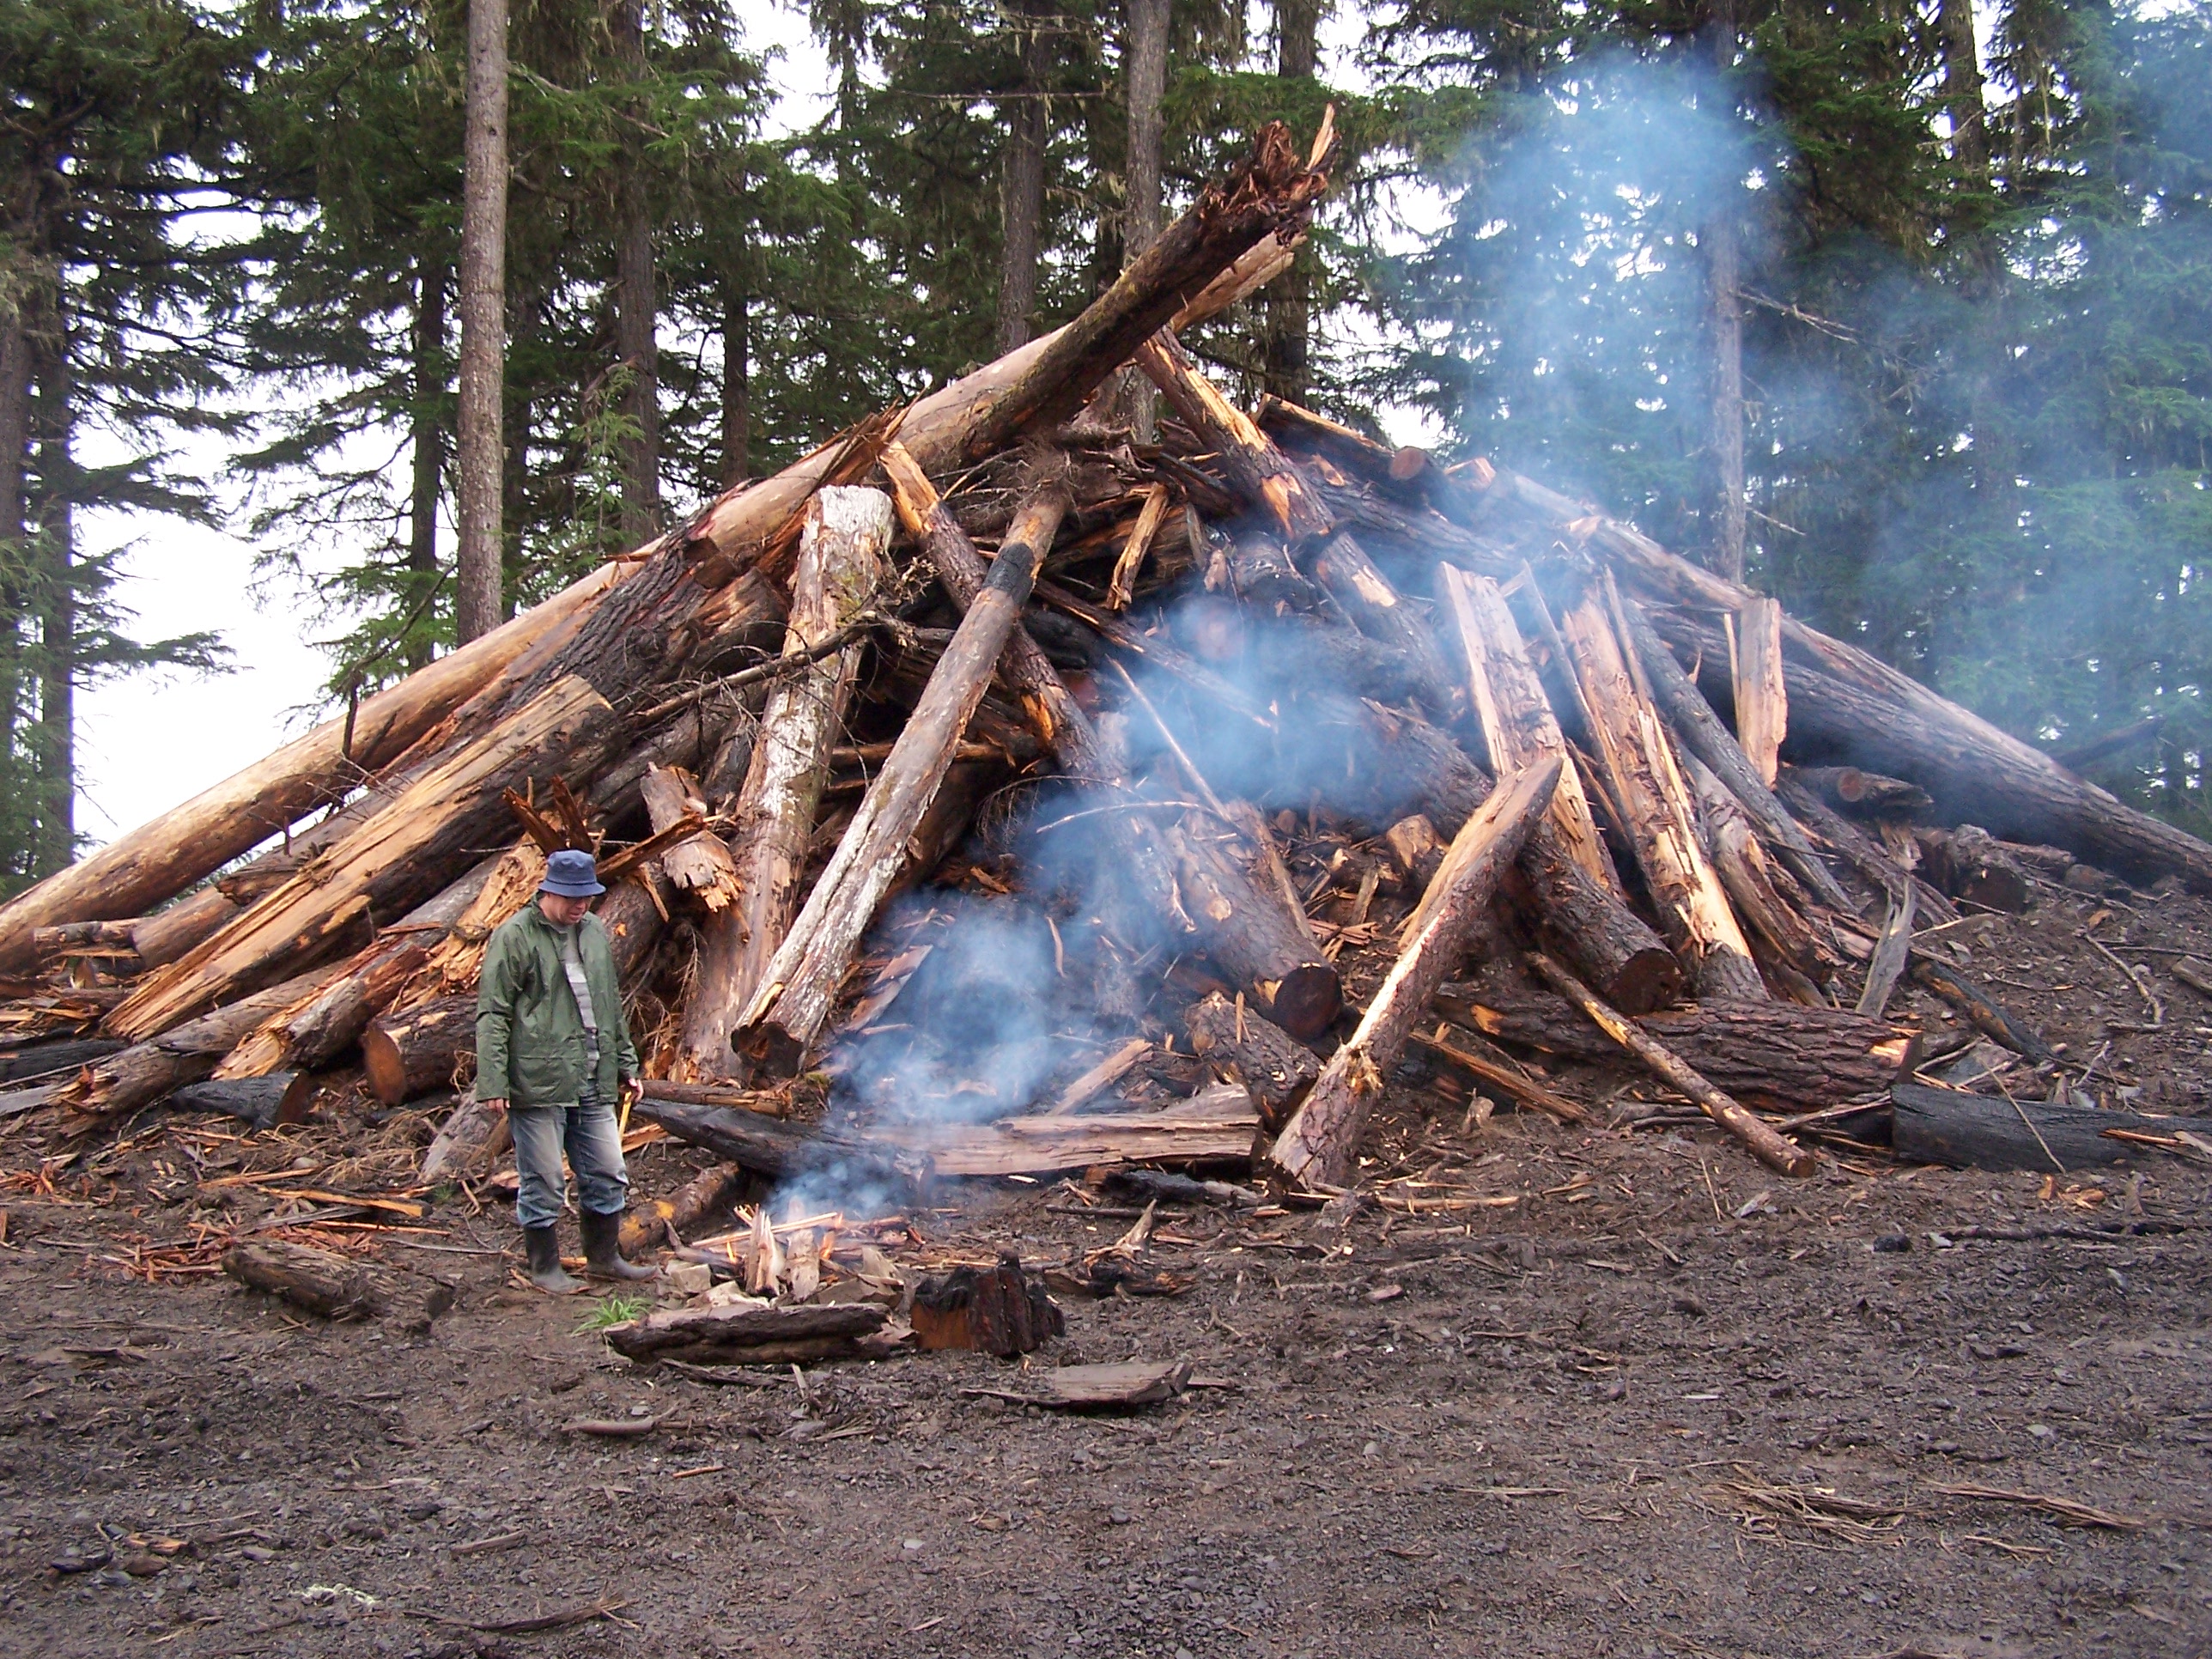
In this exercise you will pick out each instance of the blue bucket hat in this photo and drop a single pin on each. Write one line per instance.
(571, 875)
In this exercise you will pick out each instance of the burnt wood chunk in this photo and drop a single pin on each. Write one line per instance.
(1001, 1310)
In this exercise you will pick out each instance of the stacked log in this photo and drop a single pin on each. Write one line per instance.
(1227, 725)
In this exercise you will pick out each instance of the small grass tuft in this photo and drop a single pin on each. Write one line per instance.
(612, 1310)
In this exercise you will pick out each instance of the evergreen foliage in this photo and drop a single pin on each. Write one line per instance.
(1975, 288)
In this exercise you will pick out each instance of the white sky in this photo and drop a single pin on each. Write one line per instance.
(149, 741)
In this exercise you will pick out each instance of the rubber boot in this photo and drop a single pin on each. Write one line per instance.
(545, 1271)
(603, 1256)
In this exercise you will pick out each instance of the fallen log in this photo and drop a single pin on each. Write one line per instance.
(1771, 1147)
(1321, 1143)
(1988, 1016)
(1969, 863)
(744, 1333)
(1990, 1132)
(145, 1072)
(794, 999)
(321, 1282)
(261, 1101)
(1794, 953)
(45, 1059)
(473, 1133)
(1866, 794)
(1274, 1066)
(707, 1196)
(841, 564)
(766, 1146)
(1777, 1054)
(1097, 1387)
(429, 1047)
(1216, 1124)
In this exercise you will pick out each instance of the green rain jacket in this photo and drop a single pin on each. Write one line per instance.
(530, 1036)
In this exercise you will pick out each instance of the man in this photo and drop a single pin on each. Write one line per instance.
(554, 1051)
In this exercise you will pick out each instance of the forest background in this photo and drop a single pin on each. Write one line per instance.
(1904, 310)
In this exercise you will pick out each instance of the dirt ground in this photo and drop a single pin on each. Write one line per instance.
(1616, 1421)
(1646, 1400)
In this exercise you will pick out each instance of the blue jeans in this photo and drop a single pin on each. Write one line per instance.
(594, 1149)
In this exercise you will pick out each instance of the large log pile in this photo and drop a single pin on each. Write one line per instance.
(1041, 794)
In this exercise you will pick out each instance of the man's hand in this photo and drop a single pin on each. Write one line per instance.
(495, 1104)
(630, 1093)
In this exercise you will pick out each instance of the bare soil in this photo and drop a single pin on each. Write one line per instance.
(1662, 1402)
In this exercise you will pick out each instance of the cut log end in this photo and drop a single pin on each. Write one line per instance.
(1308, 1000)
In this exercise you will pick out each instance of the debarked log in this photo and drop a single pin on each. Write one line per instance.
(794, 1000)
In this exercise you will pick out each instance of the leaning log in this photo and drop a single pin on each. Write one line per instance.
(794, 1000)
(136, 872)
(766, 1146)
(1320, 1146)
(396, 859)
(474, 1132)
(323, 1282)
(320, 1028)
(1379, 611)
(1705, 736)
(1518, 721)
(1268, 479)
(1641, 775)
(1762, 693)
(657, 1221)
(841, 563)
(1252, 934)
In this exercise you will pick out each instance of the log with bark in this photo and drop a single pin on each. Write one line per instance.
(429, 1047)
(1970, 864)
(474, 1132)
(1251, 932)
(1775, 1149)
(321, 1282)
(747, 1335)
(1244, 1044)
(187, 1052)
(1320, 1146)
(1773, 1054)
(1995, 1132)
(706, 1197)
(262, 1103)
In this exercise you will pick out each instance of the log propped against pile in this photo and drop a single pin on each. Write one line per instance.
(1001, 789)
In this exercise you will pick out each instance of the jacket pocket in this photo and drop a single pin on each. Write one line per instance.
(541, 1079)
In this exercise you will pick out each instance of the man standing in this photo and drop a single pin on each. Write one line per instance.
(553, 1048)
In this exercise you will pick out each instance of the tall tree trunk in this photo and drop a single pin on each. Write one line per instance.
(57, 608)
(479, 599)
(636, 304)
(1723, 249)
(1286, 346)
(14, 443)
(1144, 79)
(737, 381)
(1021, 185)
(429, 446)
(1962, 91)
